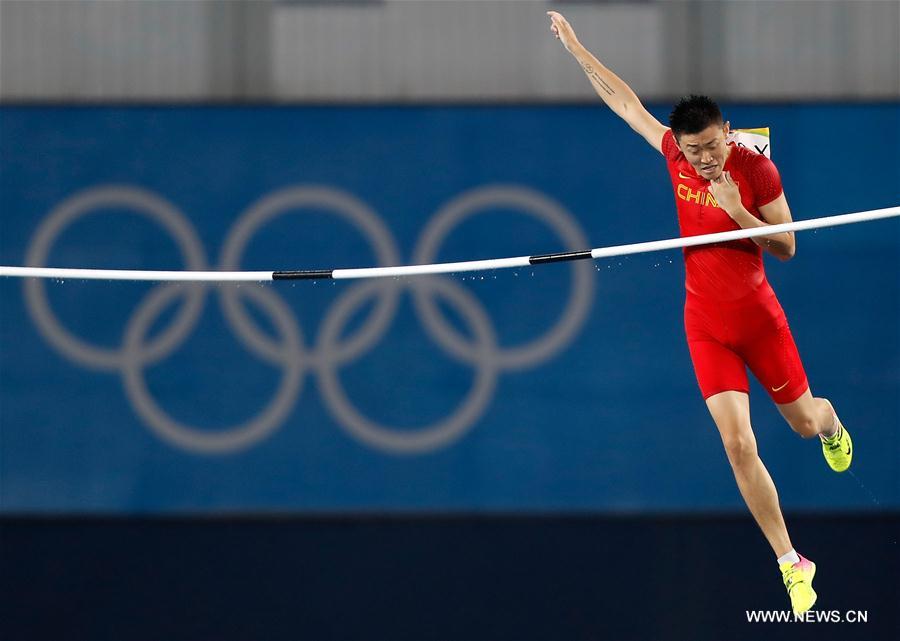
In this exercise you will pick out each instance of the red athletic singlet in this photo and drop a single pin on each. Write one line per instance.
(732, 317)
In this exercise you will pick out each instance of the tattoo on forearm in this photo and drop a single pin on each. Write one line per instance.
(593, 75)
(603, 84)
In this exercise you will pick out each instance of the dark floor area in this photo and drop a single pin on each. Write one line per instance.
(436, 578)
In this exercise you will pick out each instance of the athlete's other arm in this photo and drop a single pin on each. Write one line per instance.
(615, 93)
(728, 195)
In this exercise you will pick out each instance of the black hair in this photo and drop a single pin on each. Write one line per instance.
(693, 114)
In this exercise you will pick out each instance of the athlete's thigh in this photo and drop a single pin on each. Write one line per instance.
(717, 368)
(730, 411)
(771, 354)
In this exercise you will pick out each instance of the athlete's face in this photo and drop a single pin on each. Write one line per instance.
(706, 151)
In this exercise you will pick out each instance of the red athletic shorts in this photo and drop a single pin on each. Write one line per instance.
(726, 337)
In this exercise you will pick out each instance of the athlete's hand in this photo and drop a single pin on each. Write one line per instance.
(726, 193)
(563, 31)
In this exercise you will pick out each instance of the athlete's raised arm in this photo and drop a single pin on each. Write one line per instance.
(615, 93)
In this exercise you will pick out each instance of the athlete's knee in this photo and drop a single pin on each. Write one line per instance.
(813, 420)
(825, 405)
(740, 448)
(806, 425)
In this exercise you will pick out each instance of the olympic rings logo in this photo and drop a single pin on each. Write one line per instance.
(329, 352)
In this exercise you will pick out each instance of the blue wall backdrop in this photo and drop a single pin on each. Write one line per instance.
(566, 388)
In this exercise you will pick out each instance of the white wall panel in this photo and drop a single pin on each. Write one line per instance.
(794, 49)
(455, 49)
(409, 50)
(99, 50)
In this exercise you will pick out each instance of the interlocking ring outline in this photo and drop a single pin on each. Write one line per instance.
(423, 438)
(545, 210)
(279, 204)
(136, 200)
(329, 353)
(223, 440)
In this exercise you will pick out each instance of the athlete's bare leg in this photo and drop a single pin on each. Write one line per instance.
(731, 413)
(809, 416)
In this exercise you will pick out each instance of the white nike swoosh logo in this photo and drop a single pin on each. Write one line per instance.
(778, 389)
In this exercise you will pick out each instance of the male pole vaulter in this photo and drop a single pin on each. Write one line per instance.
(731, 315)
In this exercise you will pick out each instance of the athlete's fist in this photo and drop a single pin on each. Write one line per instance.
(563, 31)
(726, 193)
